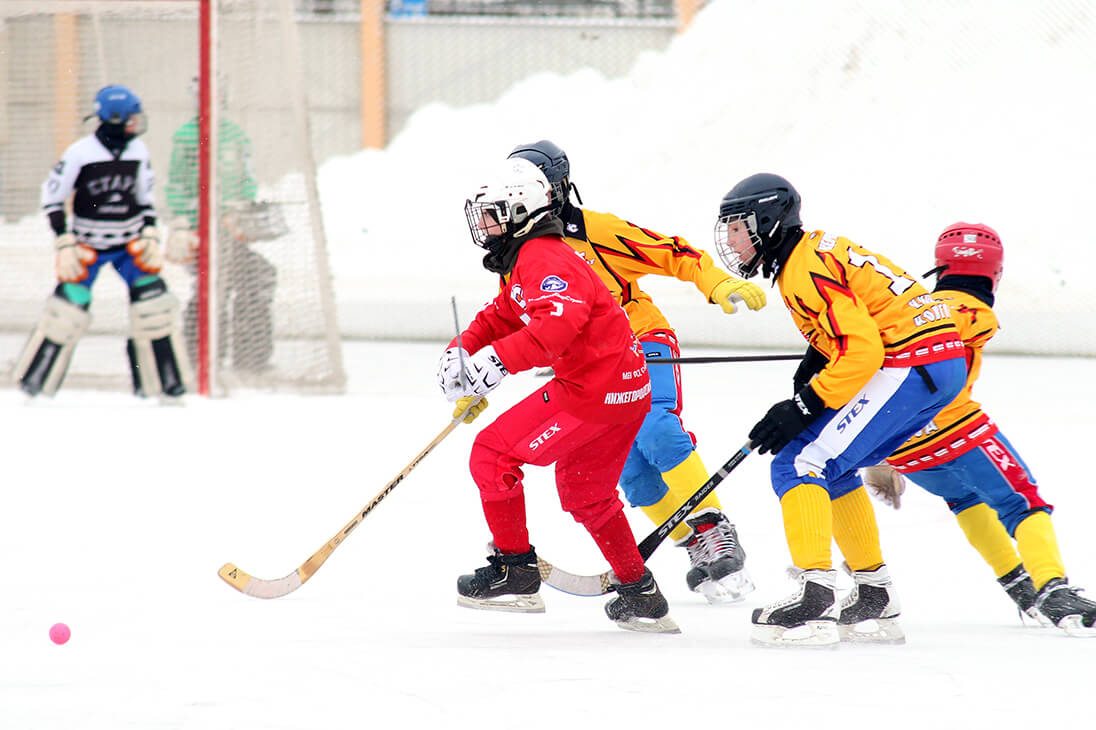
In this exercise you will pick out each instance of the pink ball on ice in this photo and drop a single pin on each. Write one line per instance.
(59, 633)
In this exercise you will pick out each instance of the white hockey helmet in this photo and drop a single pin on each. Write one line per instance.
(518, 196)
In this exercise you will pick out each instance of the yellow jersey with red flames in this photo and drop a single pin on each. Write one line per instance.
(621, 253)
(863, 312)
(961, 425)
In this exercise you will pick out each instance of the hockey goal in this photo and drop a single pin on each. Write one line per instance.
(258, 305)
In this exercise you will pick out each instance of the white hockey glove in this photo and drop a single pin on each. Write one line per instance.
(449, 373)
(182, 242)
(483, 372)
(72, 258)
(145, 250)
(727, 293)
(885, 483)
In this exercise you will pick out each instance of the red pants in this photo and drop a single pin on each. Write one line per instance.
(588, 458)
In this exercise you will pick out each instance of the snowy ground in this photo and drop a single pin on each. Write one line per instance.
(118, 513)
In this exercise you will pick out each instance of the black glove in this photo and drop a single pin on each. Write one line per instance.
(812, 364)
(785, 421)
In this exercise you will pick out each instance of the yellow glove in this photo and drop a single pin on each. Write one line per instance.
(474, 411)
(726, 293)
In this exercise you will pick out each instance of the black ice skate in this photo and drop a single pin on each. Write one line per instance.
(1064, 606)
(508, 583)
(724, 560)
(640, 606)
(870, 611)
(1017, 584)
(698, 559)
(806, 618)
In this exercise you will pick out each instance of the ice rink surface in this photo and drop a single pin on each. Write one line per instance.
(117, 514)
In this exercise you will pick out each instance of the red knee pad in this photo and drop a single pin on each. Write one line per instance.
(497, 474)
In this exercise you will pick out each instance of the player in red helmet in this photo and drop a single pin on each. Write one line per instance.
(962, 456)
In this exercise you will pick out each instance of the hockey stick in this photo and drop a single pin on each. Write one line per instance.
(732, 358)
(547, 372)
(597, 585)
(260, 588)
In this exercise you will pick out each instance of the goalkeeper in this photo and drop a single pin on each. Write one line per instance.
(246, 279)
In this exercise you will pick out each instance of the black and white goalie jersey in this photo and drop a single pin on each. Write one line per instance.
(113, 195)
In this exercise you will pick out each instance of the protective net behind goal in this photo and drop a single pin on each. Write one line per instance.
(271, 320)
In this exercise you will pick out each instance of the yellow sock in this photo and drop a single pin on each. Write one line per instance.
(856, 531)
(1039, 548)
(808, 526)
(988, 536)
(682, 482)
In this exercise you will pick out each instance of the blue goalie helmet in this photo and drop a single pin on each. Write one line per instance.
(118, 105)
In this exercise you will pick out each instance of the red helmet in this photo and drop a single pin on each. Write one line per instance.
(970, 249)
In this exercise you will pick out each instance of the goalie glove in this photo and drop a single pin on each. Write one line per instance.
(727, 293)
(885, 483)
(470, 407)
(72, 258)
(182, 242)
(145, 250)
(450, 376)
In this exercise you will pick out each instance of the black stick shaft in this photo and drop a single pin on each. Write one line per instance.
(730, 358)
(652, 541)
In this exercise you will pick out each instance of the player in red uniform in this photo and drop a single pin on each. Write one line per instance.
(551, 310)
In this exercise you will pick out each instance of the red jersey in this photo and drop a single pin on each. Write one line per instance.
(553, 310)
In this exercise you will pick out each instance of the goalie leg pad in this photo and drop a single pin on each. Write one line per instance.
(45, 358)
(155, 342)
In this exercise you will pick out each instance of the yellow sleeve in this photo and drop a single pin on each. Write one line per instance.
(827, 311)
(631, 251)
(977, 325)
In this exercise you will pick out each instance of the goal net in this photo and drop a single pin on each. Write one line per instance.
(258, 307)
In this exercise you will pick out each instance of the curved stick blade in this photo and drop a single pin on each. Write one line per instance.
(250, 585)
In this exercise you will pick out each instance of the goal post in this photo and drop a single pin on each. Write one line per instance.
(223, 85)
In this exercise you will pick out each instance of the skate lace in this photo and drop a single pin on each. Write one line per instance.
(490, 572)
(719, 540)
(698, 555)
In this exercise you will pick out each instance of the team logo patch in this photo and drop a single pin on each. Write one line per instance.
(553, 284)
(966, 251)
(517, 295)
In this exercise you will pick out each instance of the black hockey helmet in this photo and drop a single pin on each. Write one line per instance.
(553, 162)
(765, 206)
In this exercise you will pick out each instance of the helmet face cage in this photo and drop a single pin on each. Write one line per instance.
(488, 221)
(510, 207)
(738, 243)
(966, 249)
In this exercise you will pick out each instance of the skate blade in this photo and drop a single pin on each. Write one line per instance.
(1073, 626)
(531, 603)
(1041, 621)
(664, 625)
(728, 589)
(873, 631)
(811, 635)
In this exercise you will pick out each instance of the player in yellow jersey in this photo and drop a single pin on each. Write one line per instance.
(893, 360)
(963, 457)
(663, 469)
